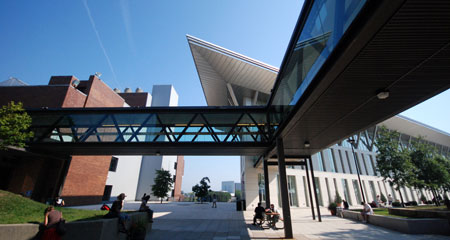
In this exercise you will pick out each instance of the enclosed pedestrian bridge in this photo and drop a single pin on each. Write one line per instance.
(349, 65)
(157, 130)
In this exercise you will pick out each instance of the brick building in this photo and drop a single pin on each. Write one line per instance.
(78, 179)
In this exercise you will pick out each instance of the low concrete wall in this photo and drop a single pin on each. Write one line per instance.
(101, 229)
(411, 226)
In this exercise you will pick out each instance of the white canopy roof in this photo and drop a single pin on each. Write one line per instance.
(228, 77)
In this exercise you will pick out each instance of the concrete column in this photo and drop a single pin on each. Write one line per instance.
(266, 182)
(284, 190)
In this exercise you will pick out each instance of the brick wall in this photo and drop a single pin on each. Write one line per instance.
(100, 95)
(179, 178)
(86, 177)
(85, 180)
(34, 96)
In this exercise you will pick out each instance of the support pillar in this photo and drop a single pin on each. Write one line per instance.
(266, 181)
(309, 189)
(315, 190)
(284, 190)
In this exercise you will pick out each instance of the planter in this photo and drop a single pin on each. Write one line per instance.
(333, 212)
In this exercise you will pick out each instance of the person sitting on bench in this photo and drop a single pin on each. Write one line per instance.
(272, 215)
(259, 211)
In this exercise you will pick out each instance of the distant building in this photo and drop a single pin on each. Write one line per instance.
(237, 187)
(228, 186)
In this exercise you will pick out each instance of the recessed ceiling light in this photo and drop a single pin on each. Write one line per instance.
(307, 144)
(383, 94)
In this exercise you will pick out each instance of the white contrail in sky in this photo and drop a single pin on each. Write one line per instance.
(100, 42)
(124, 7)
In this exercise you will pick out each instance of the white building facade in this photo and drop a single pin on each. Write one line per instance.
(134, 175)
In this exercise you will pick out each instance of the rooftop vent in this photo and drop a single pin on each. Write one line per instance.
(116, 90)
(127, 90)
(139, 89)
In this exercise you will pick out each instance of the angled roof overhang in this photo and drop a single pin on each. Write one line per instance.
(228, 77)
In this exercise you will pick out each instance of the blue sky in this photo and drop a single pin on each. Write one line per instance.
(140, 43)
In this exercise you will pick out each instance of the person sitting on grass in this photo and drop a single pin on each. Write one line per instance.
(367, 210)
(259, 211)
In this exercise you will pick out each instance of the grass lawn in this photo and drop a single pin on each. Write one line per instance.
(16, 209)
(385, 212)
(430, 207)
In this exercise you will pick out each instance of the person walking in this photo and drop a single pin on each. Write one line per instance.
(214, 205)
(390, 199)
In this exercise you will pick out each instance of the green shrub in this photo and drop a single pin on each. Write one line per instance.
(332, 206)
(383, 198)
(423, 199)
(337, 199)
(396, 204)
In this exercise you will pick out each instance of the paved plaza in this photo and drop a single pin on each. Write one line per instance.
(185, 220)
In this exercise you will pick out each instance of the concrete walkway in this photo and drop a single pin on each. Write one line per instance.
(200, 221)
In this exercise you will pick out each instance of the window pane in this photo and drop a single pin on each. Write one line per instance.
(357, 192)
(319, 193)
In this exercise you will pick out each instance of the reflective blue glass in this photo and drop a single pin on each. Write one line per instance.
(326, 23)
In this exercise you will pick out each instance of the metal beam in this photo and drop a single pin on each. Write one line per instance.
(266, 182)
(284, 190)
(255, 98)
(309, 190)
(233, 97)
(315, 190)
(287, 163)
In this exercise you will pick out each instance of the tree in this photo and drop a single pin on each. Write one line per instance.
(393, 161)
(220, 196)
(431, 169)
(201, 190)
(163, 184)
(238, 194)
(14, 126)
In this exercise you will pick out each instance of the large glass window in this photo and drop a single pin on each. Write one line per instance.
(346, 191)
(372, 189)
(394, 195)
(319, 192)
(351, 163)
(345, 167)
(331, 160)
(366, 194)
(325, 24)
(366, 166)
(328, 190)
(357, 192)
(306, 191)
(261, 188)
(292, 190)
(320, 161)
